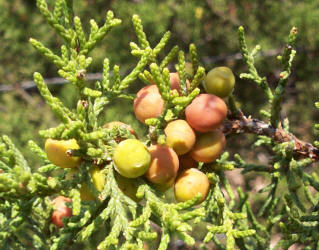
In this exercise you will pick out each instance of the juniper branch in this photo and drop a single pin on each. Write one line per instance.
(243, 124)
(286, 60)
(249, 60)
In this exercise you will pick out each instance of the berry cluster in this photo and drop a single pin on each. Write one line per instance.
(192, 139)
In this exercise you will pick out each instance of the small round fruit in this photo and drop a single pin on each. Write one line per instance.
(208, 146)
(148, 103)
(189, 183)
(220, 81)
(206, 112)
(85, 193)
(119, 124)
(186, 161)
(98, 179)
(175, 82)
(61, 210)
(164, 187)
(180, 136)
(164, 164)
(131, 158)
(56, 151)
(128, 186)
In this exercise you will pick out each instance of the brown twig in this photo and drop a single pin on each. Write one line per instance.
(243, 124)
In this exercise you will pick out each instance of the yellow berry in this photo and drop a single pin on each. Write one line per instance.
(180, 136)
(220, 81)
(189, 183)
(98, 179)
(56, 151)
(128, 186)
(131, 158)
(164, 164)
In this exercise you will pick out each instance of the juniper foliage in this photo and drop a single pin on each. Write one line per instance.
(25, 193)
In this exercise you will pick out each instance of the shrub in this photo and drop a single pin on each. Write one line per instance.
(115, 220)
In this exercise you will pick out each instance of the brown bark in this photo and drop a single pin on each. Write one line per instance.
(242, 124)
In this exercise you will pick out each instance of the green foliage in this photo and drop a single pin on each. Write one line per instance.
(286, 59)
(82, 124)
(210, 25)
(119, 222)
(22, 125)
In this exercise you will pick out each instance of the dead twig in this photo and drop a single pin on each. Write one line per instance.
(243, 124)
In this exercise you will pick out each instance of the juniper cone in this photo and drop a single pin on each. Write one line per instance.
(113, 217)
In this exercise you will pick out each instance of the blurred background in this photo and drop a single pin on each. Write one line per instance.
(210, 24)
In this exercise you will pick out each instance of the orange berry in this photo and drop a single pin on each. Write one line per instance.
(148, 103)
(119, 124)
(206, 112)
(175, 82)
(208, 146)
(180, 136)
(164, 164)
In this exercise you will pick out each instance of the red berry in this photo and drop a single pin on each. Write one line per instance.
(61, 211)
